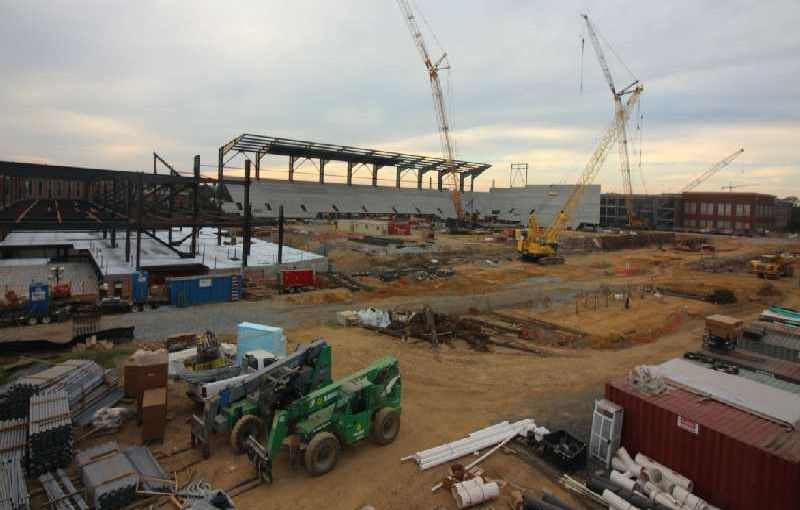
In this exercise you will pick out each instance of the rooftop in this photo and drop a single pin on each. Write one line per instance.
(112, 260)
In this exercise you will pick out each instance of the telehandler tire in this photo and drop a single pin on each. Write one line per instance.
(386, 426)
(322, 453)
(250, 425)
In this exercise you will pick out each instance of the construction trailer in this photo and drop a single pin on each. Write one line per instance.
(737, 460)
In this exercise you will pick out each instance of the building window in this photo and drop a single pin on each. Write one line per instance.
(724, 209)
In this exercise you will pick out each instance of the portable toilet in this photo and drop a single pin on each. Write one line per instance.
(140, 286)
(39, 299)
(253, 337)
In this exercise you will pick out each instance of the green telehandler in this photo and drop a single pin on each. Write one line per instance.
(363, 404)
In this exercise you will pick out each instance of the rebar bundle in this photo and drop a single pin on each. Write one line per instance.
(13, 491)
(13, 438)
(49, 433)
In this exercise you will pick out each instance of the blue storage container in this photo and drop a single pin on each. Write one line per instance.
(140, 286)
(39, 299)
(197, 290)
(252, 337)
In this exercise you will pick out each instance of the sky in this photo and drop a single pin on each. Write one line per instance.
(105, 83)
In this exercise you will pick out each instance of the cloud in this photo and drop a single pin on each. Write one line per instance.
(104, 84)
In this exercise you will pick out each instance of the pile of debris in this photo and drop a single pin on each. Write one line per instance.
(722, 264)
(717, 296)
(437, 328)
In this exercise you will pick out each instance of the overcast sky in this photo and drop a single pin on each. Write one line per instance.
(105, 83)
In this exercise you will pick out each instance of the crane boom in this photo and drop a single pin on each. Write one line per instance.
(624, 158)
(591, 170)
(598, 50)
(442, 121)
(711, 171)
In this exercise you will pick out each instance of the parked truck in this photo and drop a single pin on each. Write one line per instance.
(773, 266)
(39, 307)
(140, 298)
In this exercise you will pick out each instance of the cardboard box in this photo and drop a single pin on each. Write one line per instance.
(154, 414)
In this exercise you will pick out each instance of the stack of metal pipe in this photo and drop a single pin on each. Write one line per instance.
(49, 433)
(61, 499)
(13, 491)
(79, 378)
(13, 438)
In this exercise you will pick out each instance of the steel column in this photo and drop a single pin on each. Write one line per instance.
(139, 223)
(322, 163)
(128, 197)
(195, 205)
(247, 212)
(375, 168)
(280, 235)
(220, 182)
(292, 160)
(350, 166)
(258, 165)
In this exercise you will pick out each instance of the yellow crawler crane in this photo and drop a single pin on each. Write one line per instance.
(541, 245)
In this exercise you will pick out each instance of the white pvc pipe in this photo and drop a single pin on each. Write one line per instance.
(616, 502)
(687, 499)
(620, 480)
(666, 500)
(474, 491)
(674, 476)
(625, 457)
(653, 475)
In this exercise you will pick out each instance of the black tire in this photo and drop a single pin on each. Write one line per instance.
(322, 453)
(386, 426)
(32, 321)
(250, 425)
(47, 319)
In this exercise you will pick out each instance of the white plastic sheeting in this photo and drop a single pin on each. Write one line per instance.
(373, 317)
(756, 398)
(474, 442)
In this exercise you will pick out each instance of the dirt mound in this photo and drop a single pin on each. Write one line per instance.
(320, 297)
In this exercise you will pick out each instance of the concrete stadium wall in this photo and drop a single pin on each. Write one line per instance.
(307, 199)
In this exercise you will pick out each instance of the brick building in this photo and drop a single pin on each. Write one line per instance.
(739, 213)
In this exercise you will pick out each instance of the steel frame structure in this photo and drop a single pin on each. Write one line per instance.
(136, 203)
(356, 158)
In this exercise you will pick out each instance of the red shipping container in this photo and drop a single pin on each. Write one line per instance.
(297, 279)
(738, 461)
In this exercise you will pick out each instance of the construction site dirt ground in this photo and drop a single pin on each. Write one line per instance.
(453, 390)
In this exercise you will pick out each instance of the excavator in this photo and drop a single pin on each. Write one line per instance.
(361, 405)
(541, 245)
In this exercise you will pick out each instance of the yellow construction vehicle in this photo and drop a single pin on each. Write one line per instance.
(541, 245)
(772, 266)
